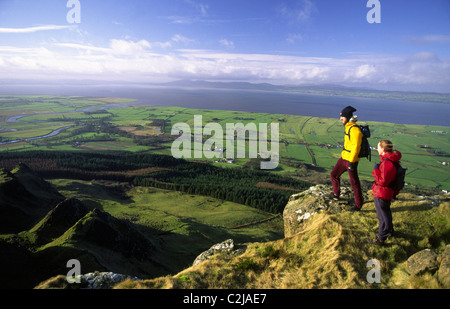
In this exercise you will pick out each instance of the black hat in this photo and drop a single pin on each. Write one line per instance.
(348, 112)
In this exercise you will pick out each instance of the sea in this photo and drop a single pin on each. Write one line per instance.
(258, 101)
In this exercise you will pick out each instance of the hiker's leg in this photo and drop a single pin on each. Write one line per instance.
(356, 186)
(340, 167)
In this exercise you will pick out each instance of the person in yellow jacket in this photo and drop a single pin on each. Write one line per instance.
(349, 157)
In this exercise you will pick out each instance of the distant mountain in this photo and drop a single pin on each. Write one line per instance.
(320, 89)
(224, 85)
(92, 87)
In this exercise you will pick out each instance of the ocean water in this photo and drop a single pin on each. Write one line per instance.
(404, 112)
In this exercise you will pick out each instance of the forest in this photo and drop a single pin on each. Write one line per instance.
(259, 189)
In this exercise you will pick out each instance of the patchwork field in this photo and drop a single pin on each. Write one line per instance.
(118, 161)
(304, 141)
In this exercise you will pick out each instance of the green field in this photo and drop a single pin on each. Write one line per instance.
(186, 206)
(197, 221)
(309, 141)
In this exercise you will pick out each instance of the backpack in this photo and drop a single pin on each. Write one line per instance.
(399, 181)
(365, 151)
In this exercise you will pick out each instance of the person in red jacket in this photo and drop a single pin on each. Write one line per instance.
(385, 173)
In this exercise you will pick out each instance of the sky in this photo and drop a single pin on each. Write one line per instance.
(292, 42)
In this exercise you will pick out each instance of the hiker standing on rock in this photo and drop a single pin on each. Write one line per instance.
(349, 157)
(385, 174)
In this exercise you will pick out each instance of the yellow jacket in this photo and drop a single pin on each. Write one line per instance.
(352, 142)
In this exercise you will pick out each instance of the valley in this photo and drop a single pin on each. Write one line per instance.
(112, 166)
(308, 144)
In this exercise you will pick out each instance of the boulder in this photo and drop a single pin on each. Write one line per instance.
(228, 247)
(103, 280)
(444, 268)
(318, 198)
(422, 262)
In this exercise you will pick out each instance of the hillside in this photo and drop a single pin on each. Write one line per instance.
(117, 236)
(328, 251)
(24, 199)
(105, 225)
(51, 234)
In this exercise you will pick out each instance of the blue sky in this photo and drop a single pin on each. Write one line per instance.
(280, 42)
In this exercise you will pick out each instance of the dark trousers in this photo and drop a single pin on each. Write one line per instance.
(384, 214)
(340, 168)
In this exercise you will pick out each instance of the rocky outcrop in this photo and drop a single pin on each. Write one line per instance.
(225, 247)
(104, 280)
(444, 268)
(427, 261)
(422, 262)
(91, 281)
(318, 198)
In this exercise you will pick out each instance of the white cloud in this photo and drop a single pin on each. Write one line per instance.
(34, 29)
(137, 61)
(364, 71)
(227, 44)
(123, 47)
(292, 38)
(202, 8)
(181, 39)
(88, 48)
(300, 12)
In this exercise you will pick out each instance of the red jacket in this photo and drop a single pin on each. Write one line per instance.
(384, 175)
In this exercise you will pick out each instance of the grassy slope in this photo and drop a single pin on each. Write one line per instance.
(186, 224)
(330, 252)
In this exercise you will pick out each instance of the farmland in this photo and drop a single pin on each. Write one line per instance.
(309, 146)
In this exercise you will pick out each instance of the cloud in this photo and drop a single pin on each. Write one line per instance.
(129, 47)
(34, 29)
(199, 7)
(227, 44)
(138, 61)
(364, 71)
(202, 8)
(177, 38)
(88, 48)
(298, 13)
(292, 38)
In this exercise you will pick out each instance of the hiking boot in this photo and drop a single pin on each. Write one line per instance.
(391, 233)
(334, 196)
(353, 208)
(375, 241)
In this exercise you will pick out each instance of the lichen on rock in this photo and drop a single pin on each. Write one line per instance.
(304, 205)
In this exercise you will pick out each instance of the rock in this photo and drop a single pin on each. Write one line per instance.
(304, 205)
(224, 247)
(444, 268)
(103, 280)
(422, 262)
